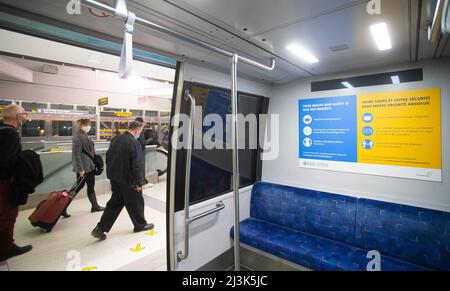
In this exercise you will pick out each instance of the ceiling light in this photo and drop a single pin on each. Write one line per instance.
(302, 53)
(381, 35)
(347, 84)
(395, 80)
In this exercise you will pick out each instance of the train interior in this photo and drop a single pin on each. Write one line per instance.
(348, 104)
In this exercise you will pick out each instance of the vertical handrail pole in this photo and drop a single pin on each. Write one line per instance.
(187, 179)
(236, 176)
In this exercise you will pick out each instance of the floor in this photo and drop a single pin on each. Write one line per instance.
(71, 247)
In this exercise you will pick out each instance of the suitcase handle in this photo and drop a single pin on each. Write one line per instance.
(77, 186)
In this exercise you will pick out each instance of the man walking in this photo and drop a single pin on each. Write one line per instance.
(10, 147)
(124, 167)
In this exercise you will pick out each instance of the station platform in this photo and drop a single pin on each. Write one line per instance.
(70, 246)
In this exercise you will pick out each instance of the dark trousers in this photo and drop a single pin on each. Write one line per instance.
(123, 196)
(90, 182)
(8, 216)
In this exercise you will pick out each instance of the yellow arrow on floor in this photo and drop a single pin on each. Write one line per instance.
(151, 232)
(137, 249)
(87, 269)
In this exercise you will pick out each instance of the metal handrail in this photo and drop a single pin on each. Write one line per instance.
(219, 206)
(187, 180)
(111, 10)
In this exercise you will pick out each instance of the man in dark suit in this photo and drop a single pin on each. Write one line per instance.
(124, 167)
(10, 147)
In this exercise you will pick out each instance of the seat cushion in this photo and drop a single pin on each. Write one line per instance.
(323, 214)
(311, 251)
(417, 235)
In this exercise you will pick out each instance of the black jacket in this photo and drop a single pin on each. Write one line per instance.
(125, 161)
(27, 175)
(22, 168)
(9, 149)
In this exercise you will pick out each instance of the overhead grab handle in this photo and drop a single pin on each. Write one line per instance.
(126, 56)
(149, 24)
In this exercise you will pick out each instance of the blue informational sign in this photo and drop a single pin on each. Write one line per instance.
(328, 129)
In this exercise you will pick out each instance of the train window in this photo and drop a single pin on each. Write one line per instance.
(151, 113)
(90, 109)
(33, 106)
(62, 128)
(33, 128)
(137, 113)
(61, 107)
(211, 170)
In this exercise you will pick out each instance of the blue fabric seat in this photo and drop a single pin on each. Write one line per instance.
(310, 251)
(328, 232)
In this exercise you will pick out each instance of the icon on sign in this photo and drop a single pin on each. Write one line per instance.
(367, 118)
(307, 119)
(367, 131)
(307, 131)
(307, 142)
(368, 144)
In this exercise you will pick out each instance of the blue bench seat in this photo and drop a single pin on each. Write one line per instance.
(328, 232)
(310, 251)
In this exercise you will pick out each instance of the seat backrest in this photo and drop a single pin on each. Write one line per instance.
(323, 214)
(416, 235)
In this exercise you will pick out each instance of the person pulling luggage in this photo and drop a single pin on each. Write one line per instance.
(124, 167)
(83, 165)
(10, 147)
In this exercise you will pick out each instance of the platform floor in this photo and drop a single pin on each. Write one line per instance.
(70, 245)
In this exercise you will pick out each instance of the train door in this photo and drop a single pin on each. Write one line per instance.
(199, 227)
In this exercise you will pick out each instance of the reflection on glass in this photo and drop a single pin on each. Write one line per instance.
(33, 128)
(62, 128)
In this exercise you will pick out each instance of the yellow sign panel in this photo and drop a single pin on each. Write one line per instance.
(400, 128)
(123, 114)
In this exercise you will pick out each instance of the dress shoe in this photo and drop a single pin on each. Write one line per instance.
(97, 209)
(147, 227)
(66, 215)
(98, 233)
(16, 251)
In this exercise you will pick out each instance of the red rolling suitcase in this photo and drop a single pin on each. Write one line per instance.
(48, 212)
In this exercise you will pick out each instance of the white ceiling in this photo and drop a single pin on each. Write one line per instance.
(316, 24)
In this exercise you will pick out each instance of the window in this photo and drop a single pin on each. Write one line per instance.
(137, 113)
(33, 128)
(151, 113)
(90, 109)
(33, 106)
(165, 113)
(61, 107)
(62, 128)
(212, 170)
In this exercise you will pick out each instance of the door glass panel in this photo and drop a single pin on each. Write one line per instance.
(211, 170)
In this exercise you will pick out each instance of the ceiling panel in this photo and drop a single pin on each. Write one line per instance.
(259, 16)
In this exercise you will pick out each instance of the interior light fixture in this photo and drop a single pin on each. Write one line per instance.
(395, 80)
(302, 53)
(381, 35)
(347, 84)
